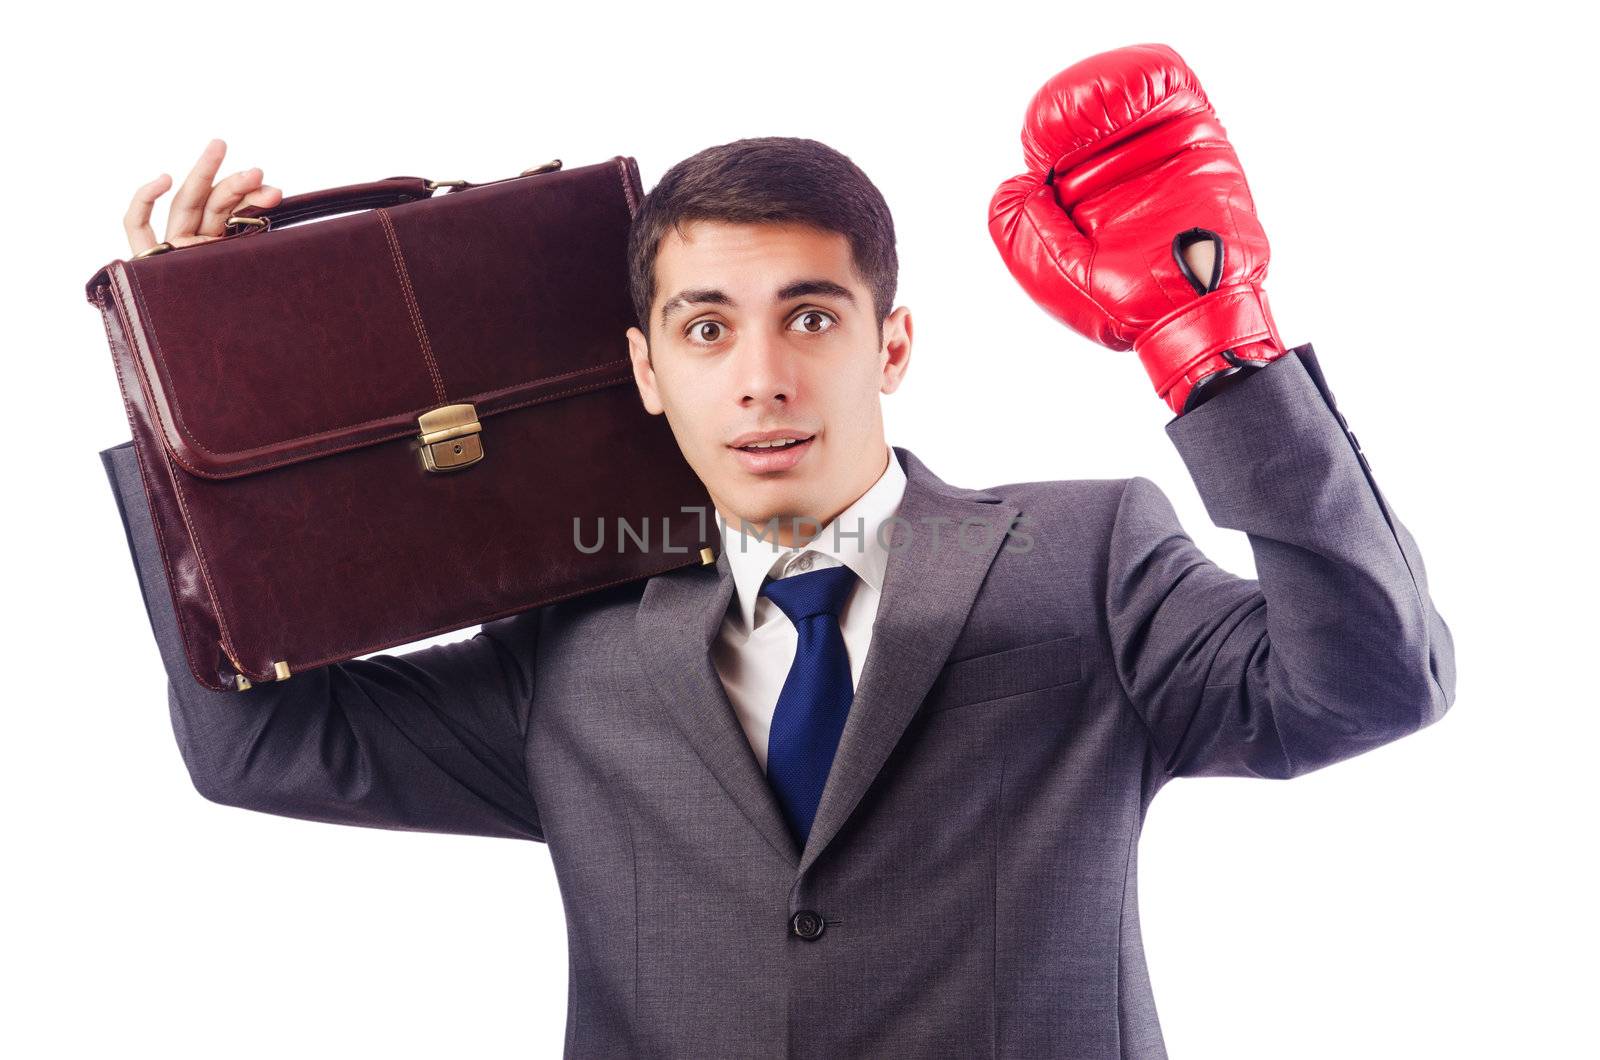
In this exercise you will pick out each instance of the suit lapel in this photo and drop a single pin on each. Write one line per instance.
(928, 588)
(930, 582)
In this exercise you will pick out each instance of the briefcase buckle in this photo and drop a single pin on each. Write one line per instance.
(450, 437)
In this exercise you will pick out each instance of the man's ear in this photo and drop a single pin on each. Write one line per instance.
(896, 349)
(644, 374)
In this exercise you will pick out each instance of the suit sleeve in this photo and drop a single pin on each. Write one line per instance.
(1334, 649)
(430, 740)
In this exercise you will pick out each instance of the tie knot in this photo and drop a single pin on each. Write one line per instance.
(817, 592)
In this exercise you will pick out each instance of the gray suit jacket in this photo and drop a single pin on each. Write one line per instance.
(972, 867)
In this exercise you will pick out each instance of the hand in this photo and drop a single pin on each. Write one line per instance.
(1134, 224)
(199, 209)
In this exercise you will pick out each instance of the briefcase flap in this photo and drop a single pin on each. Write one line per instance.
(261, 350)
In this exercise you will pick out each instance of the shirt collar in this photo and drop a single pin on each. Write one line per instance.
(851, 538)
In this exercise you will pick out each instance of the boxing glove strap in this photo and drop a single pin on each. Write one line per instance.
(1230, 316)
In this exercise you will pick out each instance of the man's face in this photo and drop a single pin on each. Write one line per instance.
(760, 329)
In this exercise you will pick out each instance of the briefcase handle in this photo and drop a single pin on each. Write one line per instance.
(391, 191)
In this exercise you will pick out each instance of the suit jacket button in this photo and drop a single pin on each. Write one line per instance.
(807, 924)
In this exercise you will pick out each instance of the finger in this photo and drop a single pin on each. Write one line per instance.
(188, 204)
(136, 222)
(266, 196)
(227, 195)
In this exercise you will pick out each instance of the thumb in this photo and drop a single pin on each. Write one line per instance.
(1050, 256)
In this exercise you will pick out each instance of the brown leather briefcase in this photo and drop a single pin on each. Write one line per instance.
(399, 422)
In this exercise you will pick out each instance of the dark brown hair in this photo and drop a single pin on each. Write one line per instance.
(767, 179)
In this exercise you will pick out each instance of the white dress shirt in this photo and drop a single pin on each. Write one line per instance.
(756, 644)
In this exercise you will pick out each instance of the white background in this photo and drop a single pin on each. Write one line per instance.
(1424, 181)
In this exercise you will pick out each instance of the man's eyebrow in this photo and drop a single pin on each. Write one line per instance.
(693, 296)
(805, 287)
(712, 296)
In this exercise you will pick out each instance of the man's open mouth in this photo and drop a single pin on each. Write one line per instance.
(775, 445)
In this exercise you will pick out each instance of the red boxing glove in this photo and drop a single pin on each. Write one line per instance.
(1127, 168)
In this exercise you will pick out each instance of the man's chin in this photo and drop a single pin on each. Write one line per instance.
(765, 514)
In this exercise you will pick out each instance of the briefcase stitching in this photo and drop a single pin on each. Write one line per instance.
(627, 186)
(411, 303)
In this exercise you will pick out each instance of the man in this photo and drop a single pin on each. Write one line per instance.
(877, 789)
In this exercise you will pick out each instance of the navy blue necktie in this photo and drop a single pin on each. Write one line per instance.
(816, 695)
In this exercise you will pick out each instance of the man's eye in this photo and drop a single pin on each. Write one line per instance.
(811, 319)
(706, 330)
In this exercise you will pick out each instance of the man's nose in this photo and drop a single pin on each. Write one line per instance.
(766, 370)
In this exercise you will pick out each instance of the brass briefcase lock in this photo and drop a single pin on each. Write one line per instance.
(450, 437)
